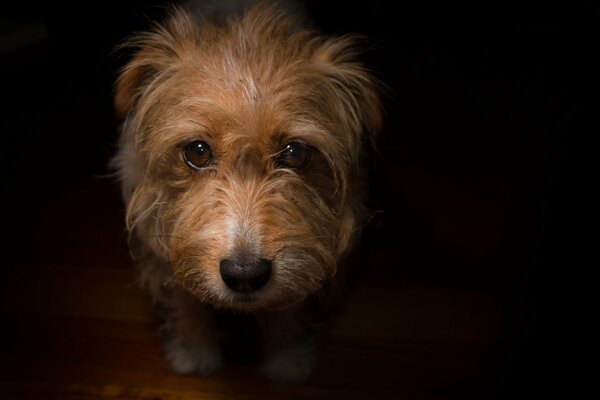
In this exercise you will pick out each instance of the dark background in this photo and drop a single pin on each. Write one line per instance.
(482, 108)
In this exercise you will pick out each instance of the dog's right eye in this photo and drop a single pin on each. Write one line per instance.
(293, 155)
(197, 154)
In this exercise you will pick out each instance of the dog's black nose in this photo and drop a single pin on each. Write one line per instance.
(245, 277)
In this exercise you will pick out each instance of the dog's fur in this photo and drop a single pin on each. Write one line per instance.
(246, 87)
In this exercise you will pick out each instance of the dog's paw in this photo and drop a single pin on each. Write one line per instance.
(193, 358)
(291, 364)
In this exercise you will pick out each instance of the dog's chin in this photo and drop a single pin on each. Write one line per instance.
(262, 300)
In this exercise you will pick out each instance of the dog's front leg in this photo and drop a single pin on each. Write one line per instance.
(192, 345)
(289, 345)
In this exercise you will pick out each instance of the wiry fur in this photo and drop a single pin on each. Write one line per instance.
(247, 87)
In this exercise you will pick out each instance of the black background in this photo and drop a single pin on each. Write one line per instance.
(492, 90)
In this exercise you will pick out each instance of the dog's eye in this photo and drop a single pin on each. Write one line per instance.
(293, 155)
(197, 154)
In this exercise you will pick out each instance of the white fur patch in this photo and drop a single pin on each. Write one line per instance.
(242, 234)
(250, 89)
(197, 358)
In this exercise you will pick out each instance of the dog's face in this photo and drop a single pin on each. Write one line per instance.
(240, 155)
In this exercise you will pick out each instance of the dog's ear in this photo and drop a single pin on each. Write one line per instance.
(357, 90)
(155, 52)
(131, 81)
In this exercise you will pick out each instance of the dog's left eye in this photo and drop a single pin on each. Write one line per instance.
(293, 155)
(197, 154)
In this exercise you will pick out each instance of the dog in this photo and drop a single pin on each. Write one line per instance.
(241, 160)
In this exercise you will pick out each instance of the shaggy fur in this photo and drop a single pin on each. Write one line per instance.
(246, 87)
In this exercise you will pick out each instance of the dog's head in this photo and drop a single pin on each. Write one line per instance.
(240, 154)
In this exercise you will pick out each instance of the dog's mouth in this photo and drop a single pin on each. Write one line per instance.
(262, 300)
(246, 298)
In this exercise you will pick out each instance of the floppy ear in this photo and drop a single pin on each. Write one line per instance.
(156, 51)
(130, 82)
(357, 89)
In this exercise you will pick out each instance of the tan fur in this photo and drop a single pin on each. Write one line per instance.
(247, 88)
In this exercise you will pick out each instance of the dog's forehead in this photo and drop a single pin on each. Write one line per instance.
(240, 105)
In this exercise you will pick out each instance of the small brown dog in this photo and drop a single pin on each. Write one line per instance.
(241, 166)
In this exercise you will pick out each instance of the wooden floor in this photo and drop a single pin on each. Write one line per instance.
(76, 327)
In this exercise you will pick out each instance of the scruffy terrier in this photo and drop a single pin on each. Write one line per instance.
(241, 164)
